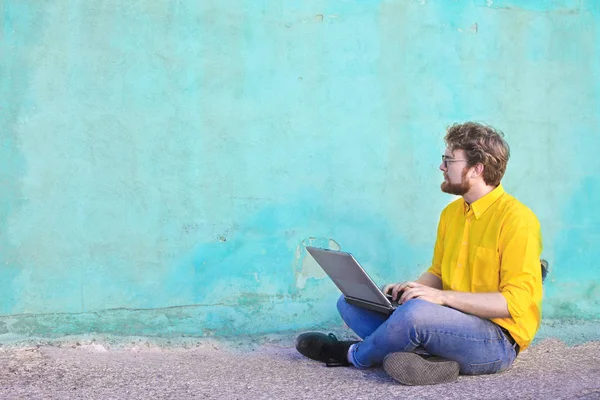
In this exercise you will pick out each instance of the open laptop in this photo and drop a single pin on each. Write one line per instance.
(358, 288)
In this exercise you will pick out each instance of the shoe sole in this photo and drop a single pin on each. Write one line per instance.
(412, 369)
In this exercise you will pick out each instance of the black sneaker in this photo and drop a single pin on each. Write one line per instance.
(414, 369)
(325, 348)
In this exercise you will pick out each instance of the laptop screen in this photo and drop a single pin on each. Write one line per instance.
(348, 275)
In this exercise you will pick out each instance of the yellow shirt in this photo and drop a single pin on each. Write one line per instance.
(494, 245)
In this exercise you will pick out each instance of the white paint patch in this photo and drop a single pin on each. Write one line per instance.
(490, 3)
(256, 277)
(310, 270)
(473, 29)
(306, 266)
(333, 245)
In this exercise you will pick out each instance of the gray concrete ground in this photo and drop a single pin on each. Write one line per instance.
(270, 370)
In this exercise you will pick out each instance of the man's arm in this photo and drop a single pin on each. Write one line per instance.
(431, 280)
(484, 305)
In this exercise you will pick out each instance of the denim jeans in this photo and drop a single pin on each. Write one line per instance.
(477, 344)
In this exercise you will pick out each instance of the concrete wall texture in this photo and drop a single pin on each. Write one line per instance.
(163, 163)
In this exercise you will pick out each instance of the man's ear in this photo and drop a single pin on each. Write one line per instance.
(477, 170)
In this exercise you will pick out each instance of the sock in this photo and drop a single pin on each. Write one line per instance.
(349, 355)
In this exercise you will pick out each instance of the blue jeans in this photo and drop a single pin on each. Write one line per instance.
(477, 344)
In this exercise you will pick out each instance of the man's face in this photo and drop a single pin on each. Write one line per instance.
(455, 172)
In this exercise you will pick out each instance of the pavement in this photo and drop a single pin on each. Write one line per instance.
(271, 369)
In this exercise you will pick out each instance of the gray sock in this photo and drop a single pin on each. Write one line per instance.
(348, 356)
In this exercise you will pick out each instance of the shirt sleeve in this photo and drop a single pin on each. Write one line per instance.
(520, 271)
(438, 250)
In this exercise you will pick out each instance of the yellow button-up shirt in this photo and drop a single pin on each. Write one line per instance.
(494, 245)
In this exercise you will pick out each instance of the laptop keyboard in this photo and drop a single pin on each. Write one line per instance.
(394, 302)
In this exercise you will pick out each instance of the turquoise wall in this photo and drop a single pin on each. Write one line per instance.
(163, 163)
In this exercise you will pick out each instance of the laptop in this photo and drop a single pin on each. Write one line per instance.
(356, 285)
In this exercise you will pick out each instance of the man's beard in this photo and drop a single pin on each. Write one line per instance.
(458, 189)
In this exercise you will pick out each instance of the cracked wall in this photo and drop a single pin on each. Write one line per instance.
(163, 164)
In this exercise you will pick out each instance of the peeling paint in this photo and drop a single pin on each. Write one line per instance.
(306, 266)
(473, 29)
(333, 245)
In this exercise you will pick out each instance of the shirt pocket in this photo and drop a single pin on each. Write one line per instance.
(486, 270)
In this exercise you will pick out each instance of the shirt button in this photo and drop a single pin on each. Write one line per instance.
(464, 243)
(459, 264)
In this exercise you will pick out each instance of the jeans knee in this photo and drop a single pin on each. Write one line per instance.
(341, 304)
(415, 312)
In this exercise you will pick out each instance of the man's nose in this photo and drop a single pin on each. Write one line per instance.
(443, 167)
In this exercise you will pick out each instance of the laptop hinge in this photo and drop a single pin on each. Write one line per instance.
(357, 301)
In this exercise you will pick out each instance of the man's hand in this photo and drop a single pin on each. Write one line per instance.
(413, 290)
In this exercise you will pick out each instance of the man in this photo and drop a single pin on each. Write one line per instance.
(478, 304)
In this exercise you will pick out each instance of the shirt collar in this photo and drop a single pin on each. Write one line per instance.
(481, 205)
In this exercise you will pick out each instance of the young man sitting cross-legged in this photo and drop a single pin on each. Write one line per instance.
(478, 304)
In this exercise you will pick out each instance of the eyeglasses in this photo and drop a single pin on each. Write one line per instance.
(446, 160)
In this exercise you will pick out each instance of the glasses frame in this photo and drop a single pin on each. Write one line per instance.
(446, 160)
